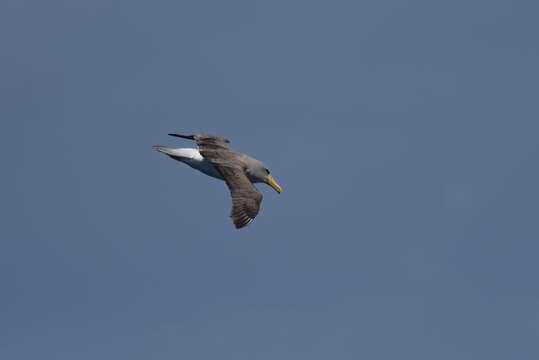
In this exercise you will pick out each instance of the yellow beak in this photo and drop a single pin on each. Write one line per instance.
(271, 182)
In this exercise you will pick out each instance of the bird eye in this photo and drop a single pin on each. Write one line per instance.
(267, 171)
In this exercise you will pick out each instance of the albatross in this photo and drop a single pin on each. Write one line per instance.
(214, 158)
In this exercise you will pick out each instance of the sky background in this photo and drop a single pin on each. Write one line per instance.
(405, 136)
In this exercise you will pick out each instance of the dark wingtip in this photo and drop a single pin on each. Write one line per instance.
(243, 222)
(190, 137)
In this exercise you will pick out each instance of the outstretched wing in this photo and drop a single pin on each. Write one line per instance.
(246, 198)
(206, 142)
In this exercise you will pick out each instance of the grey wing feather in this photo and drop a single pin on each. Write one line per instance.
(206, 142)
(245, 198)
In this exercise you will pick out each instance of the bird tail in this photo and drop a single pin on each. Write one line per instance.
(164, 150)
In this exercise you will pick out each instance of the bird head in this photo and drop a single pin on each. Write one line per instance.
(257, 172)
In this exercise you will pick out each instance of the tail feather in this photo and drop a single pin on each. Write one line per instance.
(163, 149)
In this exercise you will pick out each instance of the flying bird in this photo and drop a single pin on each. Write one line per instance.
(214, 158)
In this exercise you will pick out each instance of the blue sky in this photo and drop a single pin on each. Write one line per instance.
(404, 134)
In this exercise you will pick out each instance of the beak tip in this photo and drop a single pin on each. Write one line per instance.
(271, 182)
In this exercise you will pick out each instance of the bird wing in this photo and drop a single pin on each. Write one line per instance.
(246, 198)
(206, 142)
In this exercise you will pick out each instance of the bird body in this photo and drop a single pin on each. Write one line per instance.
(214, 158)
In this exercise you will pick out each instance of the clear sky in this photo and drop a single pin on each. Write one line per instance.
(405, 136)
